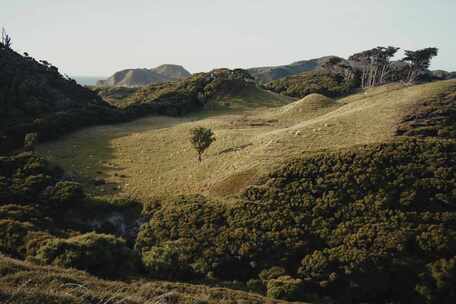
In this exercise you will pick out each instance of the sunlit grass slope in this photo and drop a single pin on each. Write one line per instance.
(152, 157)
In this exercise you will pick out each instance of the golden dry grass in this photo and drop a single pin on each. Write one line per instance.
(152, 157)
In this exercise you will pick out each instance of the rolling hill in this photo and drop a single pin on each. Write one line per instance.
(312, 199)
(317, 198)
(143, 77)
(251, 140)
(267, 74)
(36, 98)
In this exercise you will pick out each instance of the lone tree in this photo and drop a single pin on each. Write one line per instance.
(201, 139)
(418, 62)
(5, 40)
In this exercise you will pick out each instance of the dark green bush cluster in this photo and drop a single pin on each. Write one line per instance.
(37, 99)
(321, 82)
(99, 254)
(435, 117)
(38, 103)
(39, 210)
(361, 225)
(188, 95)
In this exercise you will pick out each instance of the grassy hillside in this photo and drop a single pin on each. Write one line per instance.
(153, 157)
(25, 283)
(317, 200)
(270, 73)
(35, 97)
(374, 224)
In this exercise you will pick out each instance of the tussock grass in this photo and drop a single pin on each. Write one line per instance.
(153, 157)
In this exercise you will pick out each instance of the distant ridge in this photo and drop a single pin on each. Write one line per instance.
(143, 77)
(270, 73)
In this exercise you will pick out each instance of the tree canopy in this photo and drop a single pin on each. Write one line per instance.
(201, 139)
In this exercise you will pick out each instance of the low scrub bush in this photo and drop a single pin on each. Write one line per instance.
(285, 288)
(357, 225)
(99, 254)
(13, 235)
(321, 82)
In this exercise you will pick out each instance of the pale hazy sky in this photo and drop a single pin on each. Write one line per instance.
(99, 37)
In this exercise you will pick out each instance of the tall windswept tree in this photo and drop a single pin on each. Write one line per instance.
(201, 138)
(337, 65)
(5, 39)
(418, 62)
(385, 55)
(374, 64)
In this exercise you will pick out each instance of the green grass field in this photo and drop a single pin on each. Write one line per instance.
(152, 157)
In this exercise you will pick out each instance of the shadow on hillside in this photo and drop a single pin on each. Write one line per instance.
(94, 156)
(88, 156)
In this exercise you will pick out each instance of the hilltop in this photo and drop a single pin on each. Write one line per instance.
(36, 98)
(141, 77)
(267, 74)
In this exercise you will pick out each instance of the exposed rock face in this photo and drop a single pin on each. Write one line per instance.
(266, 74)
(143, 77)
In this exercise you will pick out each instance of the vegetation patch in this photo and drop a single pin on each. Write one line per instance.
(320, 82)
(365, 217)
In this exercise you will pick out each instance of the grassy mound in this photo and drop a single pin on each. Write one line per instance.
(308, 105)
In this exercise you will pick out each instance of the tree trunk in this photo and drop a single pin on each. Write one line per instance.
(199, 157)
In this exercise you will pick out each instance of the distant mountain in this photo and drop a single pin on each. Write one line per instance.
(267, 74)
(87, 80)
(143, 77)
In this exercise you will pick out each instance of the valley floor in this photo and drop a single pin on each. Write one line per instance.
(152, 157)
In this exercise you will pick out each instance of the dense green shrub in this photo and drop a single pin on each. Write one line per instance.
(64, 193)
(99, 254)
(358, 225)
(37, 99)
(439, 281)
(435, 117)
(285, 288)
(24, 213)
(171, 260)
(13, 236)
(321, 82)
(272, 273)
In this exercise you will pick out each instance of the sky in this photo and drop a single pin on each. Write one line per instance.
(100, 37)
